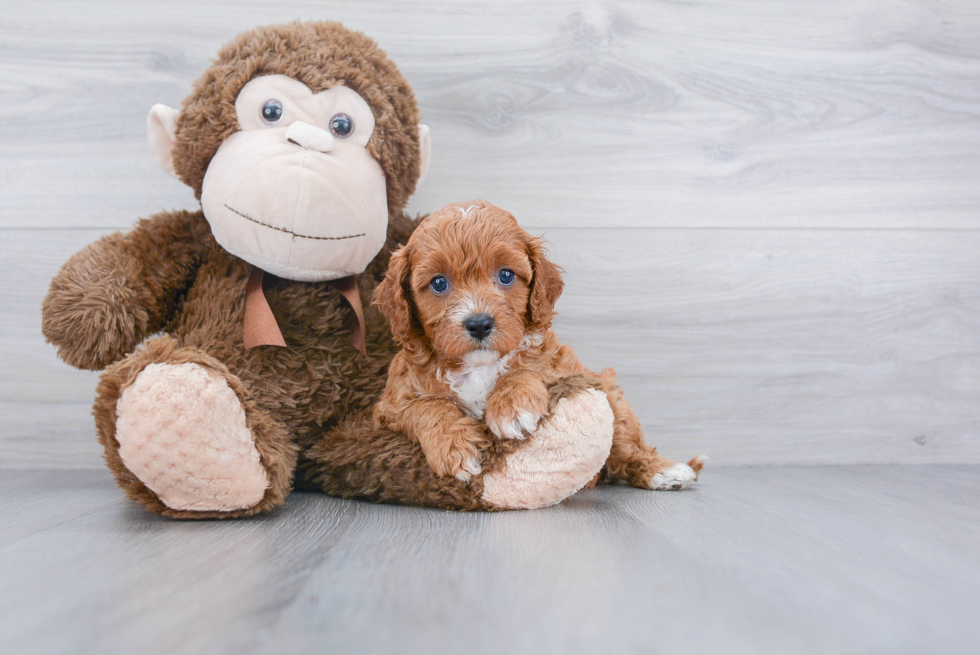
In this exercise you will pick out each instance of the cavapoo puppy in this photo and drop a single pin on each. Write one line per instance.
(470, 299)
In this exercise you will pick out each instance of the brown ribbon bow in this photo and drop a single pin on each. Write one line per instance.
(261, 328)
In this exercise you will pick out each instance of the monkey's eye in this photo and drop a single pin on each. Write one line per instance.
(506, 277)
(439, 285)
(272, 112)
(341, 126)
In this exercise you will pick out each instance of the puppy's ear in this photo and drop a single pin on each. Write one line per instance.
(546, 286)
(393, 296)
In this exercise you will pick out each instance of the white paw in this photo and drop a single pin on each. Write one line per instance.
(470, 468)
(675, 477)
(525, 423)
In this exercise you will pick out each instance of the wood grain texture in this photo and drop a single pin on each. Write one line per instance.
(768, 212)
(759, 113)
(758, 560)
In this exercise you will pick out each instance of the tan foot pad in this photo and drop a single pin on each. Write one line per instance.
(565, 453)
(182, 432)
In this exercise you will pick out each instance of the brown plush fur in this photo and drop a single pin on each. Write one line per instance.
(468, 244)
(170, 274)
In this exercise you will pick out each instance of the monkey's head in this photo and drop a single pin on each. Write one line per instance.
(300, 141)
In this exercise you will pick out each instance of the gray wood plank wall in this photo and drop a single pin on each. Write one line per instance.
(768, 211)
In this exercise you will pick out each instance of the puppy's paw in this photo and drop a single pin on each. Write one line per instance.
(518, 428)
(459, 453)
(674, 477)
(472, 466)
(515, 411)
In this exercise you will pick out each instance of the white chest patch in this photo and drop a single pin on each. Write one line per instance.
(473, 383)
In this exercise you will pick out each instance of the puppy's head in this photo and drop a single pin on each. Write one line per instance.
(470, 280)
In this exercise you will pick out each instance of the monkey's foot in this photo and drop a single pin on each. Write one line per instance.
(564, 454)
(181, 430)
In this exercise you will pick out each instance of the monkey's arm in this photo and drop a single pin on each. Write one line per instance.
(113, 293)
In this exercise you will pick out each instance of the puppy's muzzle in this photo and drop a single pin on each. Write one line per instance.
(479, 326)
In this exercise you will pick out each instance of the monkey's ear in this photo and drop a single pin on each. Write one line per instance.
(161, 126)
(425, 152)
(392, 296)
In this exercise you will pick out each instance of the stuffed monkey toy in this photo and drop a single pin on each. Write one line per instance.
(239, 360)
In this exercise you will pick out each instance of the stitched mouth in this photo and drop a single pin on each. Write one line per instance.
(300, 236)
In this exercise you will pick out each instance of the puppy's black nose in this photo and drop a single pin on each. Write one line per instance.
(479, 326)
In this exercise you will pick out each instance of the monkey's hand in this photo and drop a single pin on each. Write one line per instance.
(516, 406)
(91, 313)
(112, 294)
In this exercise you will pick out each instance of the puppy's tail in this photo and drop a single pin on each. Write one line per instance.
(697, 464)
(608, 376)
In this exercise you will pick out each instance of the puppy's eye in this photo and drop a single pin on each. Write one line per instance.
(506, 277)
(341, 126)
(272, 112)
(439, 285)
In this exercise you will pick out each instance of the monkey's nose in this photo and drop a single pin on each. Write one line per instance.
(479, 326)
(309, 136)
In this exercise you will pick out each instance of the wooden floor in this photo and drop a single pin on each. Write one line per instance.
(751, 560)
